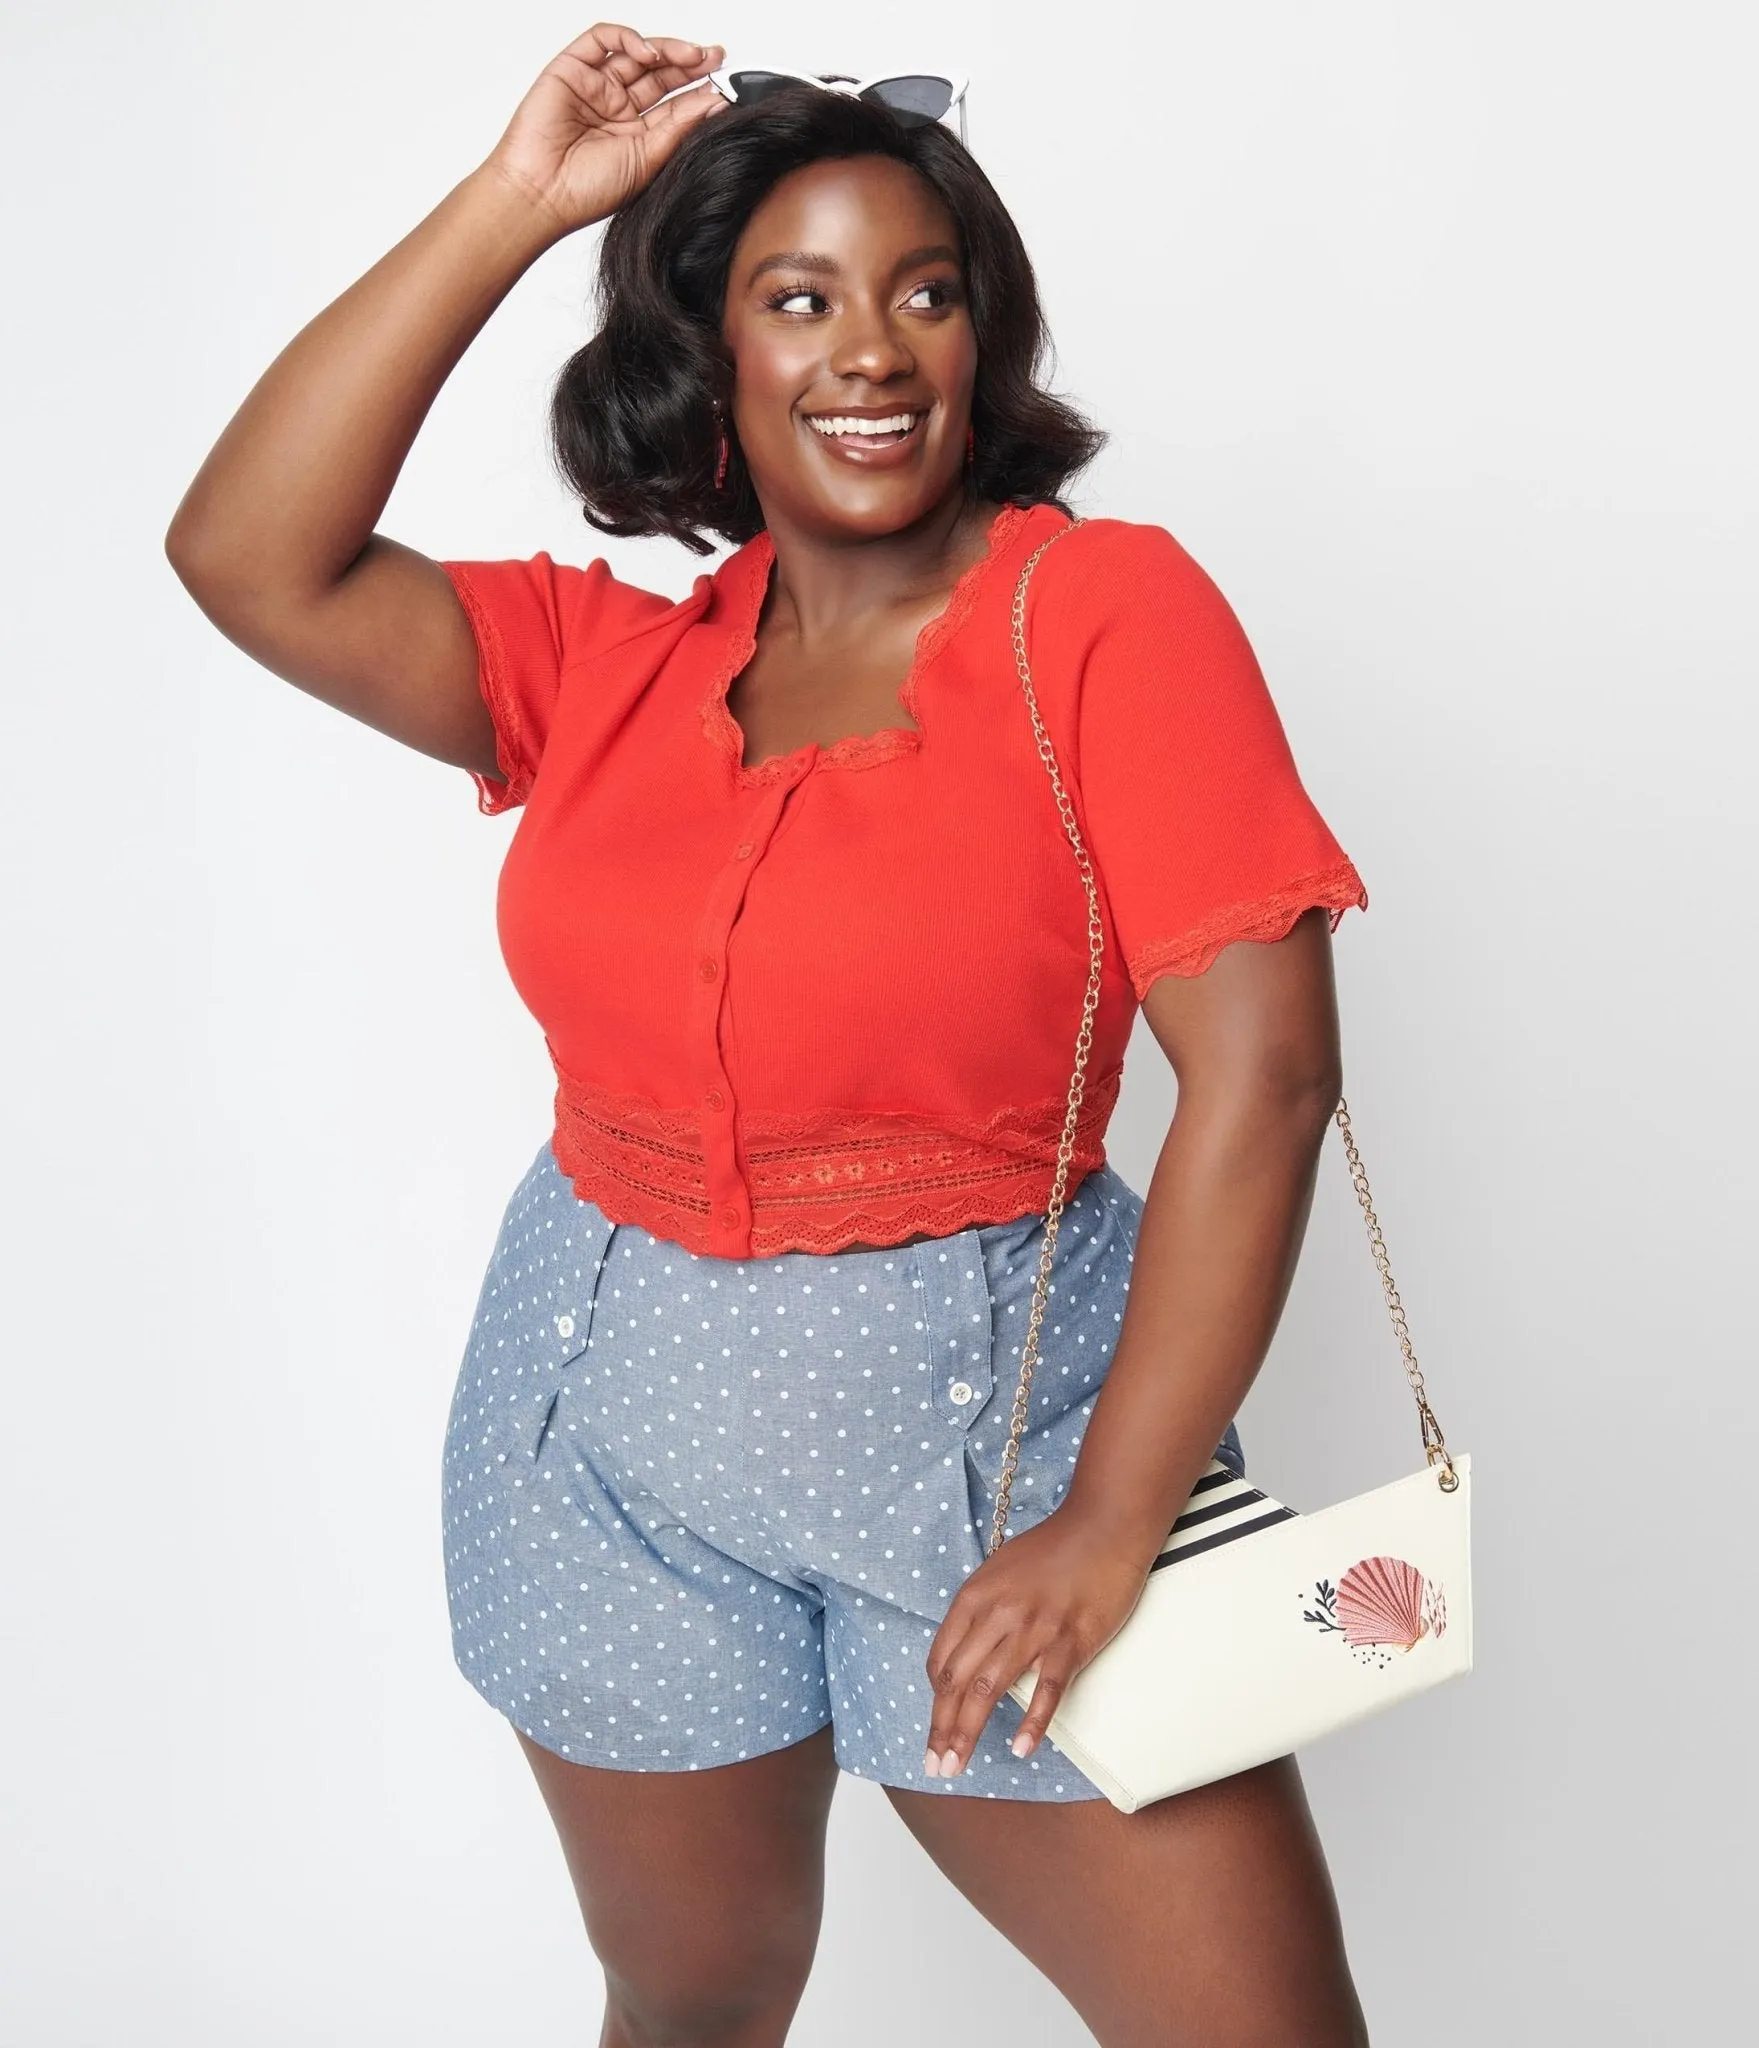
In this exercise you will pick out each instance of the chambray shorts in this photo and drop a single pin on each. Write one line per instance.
(696, 1508)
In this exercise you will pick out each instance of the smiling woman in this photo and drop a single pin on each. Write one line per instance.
(809, 212)
(795, 909)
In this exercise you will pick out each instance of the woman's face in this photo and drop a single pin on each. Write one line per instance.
(846, 309)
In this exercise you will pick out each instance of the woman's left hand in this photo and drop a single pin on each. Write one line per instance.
(1053, 1596)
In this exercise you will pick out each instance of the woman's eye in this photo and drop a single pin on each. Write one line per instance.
(790, 301)
(941, 289)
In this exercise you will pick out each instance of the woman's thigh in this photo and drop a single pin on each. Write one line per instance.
(701, 1890)
(1206, 1920)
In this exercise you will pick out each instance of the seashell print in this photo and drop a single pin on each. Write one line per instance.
(1381, 1600)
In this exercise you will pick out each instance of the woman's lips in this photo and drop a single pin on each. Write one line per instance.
(863, 439)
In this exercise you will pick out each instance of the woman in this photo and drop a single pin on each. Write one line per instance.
(792, 900)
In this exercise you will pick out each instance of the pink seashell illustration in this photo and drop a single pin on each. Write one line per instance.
(1381, 1600)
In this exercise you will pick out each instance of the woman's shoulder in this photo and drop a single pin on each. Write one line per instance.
(1109, 570)
(585, 605)
(1122, 552)
(690, 597)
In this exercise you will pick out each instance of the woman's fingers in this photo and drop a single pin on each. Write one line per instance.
(667, 123)
(607, 39)
(601, 118)
(619, 75)
(605, 97)
(1051, 1598)
(625, 54)
(967, 1683)
(1054, 1674)
(694, 59)
(652, 86)
(648, 82)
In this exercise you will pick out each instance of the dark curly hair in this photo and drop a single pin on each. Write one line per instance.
(632, 416)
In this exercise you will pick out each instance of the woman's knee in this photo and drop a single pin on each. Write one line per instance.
(689, 1999)
(701, 1891)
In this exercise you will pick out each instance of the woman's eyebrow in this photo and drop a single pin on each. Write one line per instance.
(805, 259)
(793, 259)
(930, 252)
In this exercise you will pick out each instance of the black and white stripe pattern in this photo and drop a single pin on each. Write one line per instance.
(1221, 1507)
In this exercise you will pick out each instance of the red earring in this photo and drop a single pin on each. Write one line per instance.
(720, 458)
(970, 446)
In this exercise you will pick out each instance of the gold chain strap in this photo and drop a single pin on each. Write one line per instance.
(1435, 1448)
(1434, 1445)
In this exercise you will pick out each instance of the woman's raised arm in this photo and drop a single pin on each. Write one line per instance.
(275, 539)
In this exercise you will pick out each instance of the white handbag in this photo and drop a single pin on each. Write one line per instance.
(1258, 1629)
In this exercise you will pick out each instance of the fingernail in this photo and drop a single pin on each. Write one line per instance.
(931, 1764)
(949, 1763)
(1021, 1743)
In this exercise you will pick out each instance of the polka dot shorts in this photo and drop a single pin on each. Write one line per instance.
(696, 1508)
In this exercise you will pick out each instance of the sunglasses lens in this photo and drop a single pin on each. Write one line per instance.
(752, 86)
(913, 100)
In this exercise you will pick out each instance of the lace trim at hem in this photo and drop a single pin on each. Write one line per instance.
(1336, 889)
(1023, 1191)
(819, 1180)
(514, 785)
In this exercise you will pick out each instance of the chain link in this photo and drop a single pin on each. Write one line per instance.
(1434, 1445)
(1083, 1040)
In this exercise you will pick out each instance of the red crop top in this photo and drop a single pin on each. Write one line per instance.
(832, 999)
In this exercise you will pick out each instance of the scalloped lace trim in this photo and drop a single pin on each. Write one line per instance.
(1337, 888)
(857, 750)
(515, 783)
(820, 1180)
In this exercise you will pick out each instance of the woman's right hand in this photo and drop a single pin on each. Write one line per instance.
(590, 133)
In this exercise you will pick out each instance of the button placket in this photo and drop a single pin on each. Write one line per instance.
(956, 1312)
(729, 1196)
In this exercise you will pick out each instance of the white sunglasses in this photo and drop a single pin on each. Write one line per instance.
(916, 98)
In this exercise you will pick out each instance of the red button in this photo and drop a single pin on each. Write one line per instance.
(715, 1099)
(708, 969)
(730, 1219)
(743, 850)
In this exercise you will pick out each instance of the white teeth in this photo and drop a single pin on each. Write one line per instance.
(844, 423)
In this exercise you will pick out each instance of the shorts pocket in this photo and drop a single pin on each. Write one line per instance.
(533, 1322)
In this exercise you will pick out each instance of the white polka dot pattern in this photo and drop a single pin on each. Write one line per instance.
(695, 1508)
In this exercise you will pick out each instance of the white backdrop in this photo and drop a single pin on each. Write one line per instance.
(1430, 333)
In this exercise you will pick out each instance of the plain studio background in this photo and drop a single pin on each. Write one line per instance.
(1432, 338)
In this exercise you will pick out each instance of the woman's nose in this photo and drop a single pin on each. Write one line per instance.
(869, 345)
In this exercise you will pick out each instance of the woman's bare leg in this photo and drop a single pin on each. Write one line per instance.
(701, 1890)
(1206, 1920)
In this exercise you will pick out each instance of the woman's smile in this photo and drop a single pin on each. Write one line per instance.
(870, 437)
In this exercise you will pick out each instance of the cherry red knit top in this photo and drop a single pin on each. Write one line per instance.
(833, 998)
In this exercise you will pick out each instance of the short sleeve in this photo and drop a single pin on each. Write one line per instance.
(1197, 818)
(534, 621)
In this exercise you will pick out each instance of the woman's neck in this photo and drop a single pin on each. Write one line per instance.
(825, 587)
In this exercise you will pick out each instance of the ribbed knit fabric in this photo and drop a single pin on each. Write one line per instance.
(832, 998)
